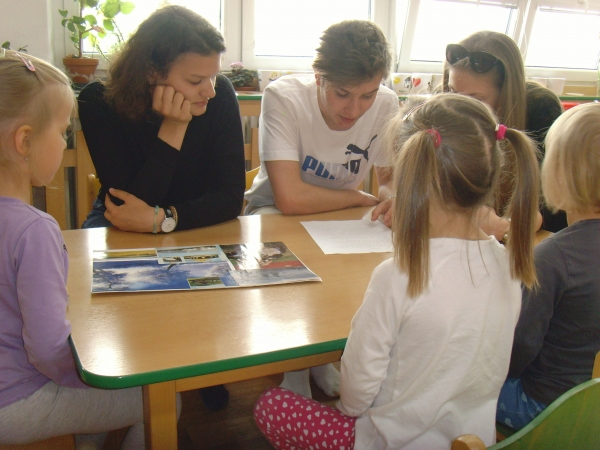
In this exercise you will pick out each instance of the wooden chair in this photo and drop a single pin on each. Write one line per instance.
(57, 195)
(251, 110)
(60, 202)
(85, 185)
(570, 422)
(250, 175)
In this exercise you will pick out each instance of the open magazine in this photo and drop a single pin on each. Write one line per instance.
(197, 267)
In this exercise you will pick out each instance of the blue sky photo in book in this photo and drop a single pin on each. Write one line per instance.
(150, 275)
(197, 267)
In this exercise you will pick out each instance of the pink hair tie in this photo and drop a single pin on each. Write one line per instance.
(500, 131)
(436, 135)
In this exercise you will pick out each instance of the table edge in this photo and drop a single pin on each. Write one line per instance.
(176, 373)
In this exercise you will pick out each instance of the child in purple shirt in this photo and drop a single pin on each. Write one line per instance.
(41, 395)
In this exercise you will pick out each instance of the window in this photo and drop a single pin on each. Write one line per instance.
(128, 23)
(432, 24)
(432, 32)
(564, 39)
(284, 34)
(559, 38)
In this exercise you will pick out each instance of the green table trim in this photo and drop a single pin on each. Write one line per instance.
(579, 98)
(176, 373)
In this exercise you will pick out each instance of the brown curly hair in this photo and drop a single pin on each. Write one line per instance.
(151, 50)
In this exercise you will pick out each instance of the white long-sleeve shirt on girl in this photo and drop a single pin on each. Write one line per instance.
(420, 372)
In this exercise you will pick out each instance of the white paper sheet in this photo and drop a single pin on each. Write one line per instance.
(350, 236)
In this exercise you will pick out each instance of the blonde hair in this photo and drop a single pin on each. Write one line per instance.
(462, 173)
(509, 77)
(26, 99)
(571, 167)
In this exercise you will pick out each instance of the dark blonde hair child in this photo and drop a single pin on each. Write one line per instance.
(558, 333)
(429, 347)
(41, 395)
(571, 170)
(458, 171)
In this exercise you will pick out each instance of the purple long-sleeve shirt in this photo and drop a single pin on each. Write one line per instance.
(33, 303)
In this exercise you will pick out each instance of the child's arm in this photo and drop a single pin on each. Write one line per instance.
(367, 353)
(42, 294)
(538, 307)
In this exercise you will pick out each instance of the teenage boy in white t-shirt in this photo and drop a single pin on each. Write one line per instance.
(320, 135)
(318, 138)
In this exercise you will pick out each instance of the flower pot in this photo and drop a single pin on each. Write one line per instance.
(244, 88)
(81, 70)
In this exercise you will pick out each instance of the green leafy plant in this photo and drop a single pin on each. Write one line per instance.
(6, 45)
(239, 76)
(94, 21)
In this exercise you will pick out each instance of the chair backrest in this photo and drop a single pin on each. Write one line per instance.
(64, 203)
(571, 422)
(250, 109)
(85, 167)
(250, 175)
(57, 193)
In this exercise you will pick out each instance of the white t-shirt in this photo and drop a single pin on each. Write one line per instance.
(420, 372)
(292, 128)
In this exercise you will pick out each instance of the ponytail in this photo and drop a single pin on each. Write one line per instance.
(523, 205)
(416, 176)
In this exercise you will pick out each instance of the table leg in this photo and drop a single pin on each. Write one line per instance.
(160, 416)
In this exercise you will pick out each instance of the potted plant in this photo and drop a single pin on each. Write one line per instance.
(98, 21)
(6, 45)
(242, 79)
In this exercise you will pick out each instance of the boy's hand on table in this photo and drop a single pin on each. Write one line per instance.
(133, 215)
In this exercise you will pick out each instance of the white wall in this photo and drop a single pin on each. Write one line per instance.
(28, 22)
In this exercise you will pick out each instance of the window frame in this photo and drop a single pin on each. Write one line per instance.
(397, 22)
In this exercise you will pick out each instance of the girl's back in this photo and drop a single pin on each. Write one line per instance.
(559, 334)
(447, 348)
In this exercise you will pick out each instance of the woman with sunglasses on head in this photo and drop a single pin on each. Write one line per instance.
(164, 131)
(489, 67)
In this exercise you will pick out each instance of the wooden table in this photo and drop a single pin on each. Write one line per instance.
(175, 341)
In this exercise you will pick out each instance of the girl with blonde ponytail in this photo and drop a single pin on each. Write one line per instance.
(430, 347)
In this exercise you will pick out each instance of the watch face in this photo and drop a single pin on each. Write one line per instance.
(168, 225)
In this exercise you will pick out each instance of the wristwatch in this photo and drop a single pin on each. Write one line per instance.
(169, 223)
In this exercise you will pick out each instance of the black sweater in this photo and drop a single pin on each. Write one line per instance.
(543, 108)
(204, 181)
(558, 333)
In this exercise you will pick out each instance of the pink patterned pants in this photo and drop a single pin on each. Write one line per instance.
(291, 421)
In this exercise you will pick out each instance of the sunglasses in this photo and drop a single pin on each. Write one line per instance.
(481, 62)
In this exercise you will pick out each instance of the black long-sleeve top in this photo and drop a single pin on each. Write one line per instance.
(558, 333)
(204, 181)
(543, 108)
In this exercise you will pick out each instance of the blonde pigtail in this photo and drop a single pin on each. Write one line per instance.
(415, 176)
(523, 206)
